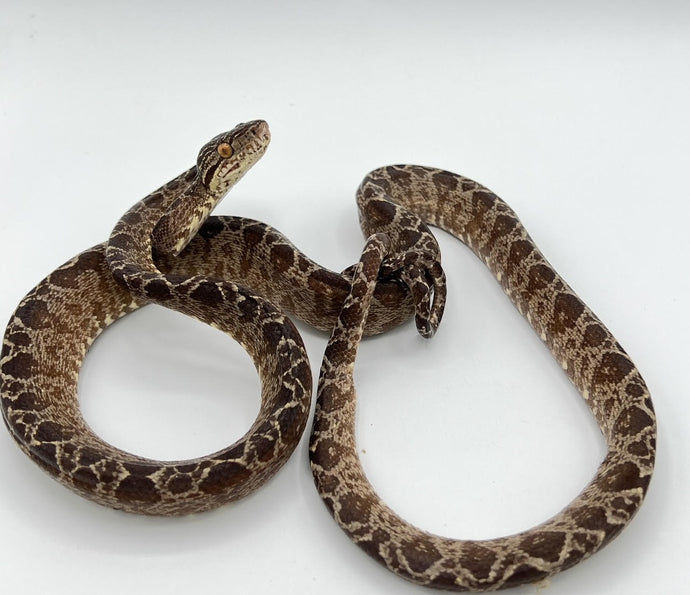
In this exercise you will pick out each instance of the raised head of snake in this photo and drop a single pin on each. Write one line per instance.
(220, 164)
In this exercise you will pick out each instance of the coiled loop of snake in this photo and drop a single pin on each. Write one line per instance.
(590, 356)
(235, 274)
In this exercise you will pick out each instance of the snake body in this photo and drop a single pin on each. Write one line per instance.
(239, 275)
(590, 356)
(51, 330)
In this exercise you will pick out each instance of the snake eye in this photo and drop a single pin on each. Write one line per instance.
(225, 150)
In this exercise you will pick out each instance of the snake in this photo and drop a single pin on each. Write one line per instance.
(168, 250)
(591, 357)
(241, 276)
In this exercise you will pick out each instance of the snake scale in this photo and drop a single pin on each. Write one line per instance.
(240, 275)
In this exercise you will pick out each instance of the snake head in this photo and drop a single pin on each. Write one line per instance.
(227, 157)
(221, 163)
(423, 274)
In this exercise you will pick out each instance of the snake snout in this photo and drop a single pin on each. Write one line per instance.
(424, 276)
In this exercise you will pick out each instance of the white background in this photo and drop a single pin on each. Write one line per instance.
(575, 112)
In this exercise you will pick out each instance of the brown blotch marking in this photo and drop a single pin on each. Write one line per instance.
(282, 257)
(632, 421)
(337, 346)
(418, 170)
(29, 418)
(264, 447)
(503, 225)
(88, 457)
(19, 339)
(207, 292)
(65, 277)
(519, 252)
(419, 555)
(480, 560)
(595, 335)
(10, 387)
(67, 463)
(135, 488)
(121, 240)
(351, 313)
(179, 484)
(410, 236)
(445, 180)
(328, 483)
(303, 264)
(381, 535)
(354, 508)
(638, 449)
(398, 175)
(27, 401)
(566, 310)
(274, 332)
(132, 218)
(93, 260)
(544, 545)
(379, 214)
(248, 307)
(626, 506)
(325, 454)
(635, 391)
(107, 471)
(34, 314)
(157, 289)
(191, 467)
(483, 202)
(49, 431)
(321, 280)
(141, 470)
(582, 542)
(20, 430)
(540, 277)
(211, 228)
(289, 419)
(625, 476)
(613, 368)
(85, 476)
(222, 475)
(591, 518)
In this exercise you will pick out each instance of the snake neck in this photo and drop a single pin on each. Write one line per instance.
(183, 218)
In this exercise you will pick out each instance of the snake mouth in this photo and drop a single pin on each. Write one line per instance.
(249, 142)
(251, 137)
(261, 130)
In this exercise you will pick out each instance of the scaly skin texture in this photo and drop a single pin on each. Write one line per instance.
(164, 250)
(221, 259)
(590, 356)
